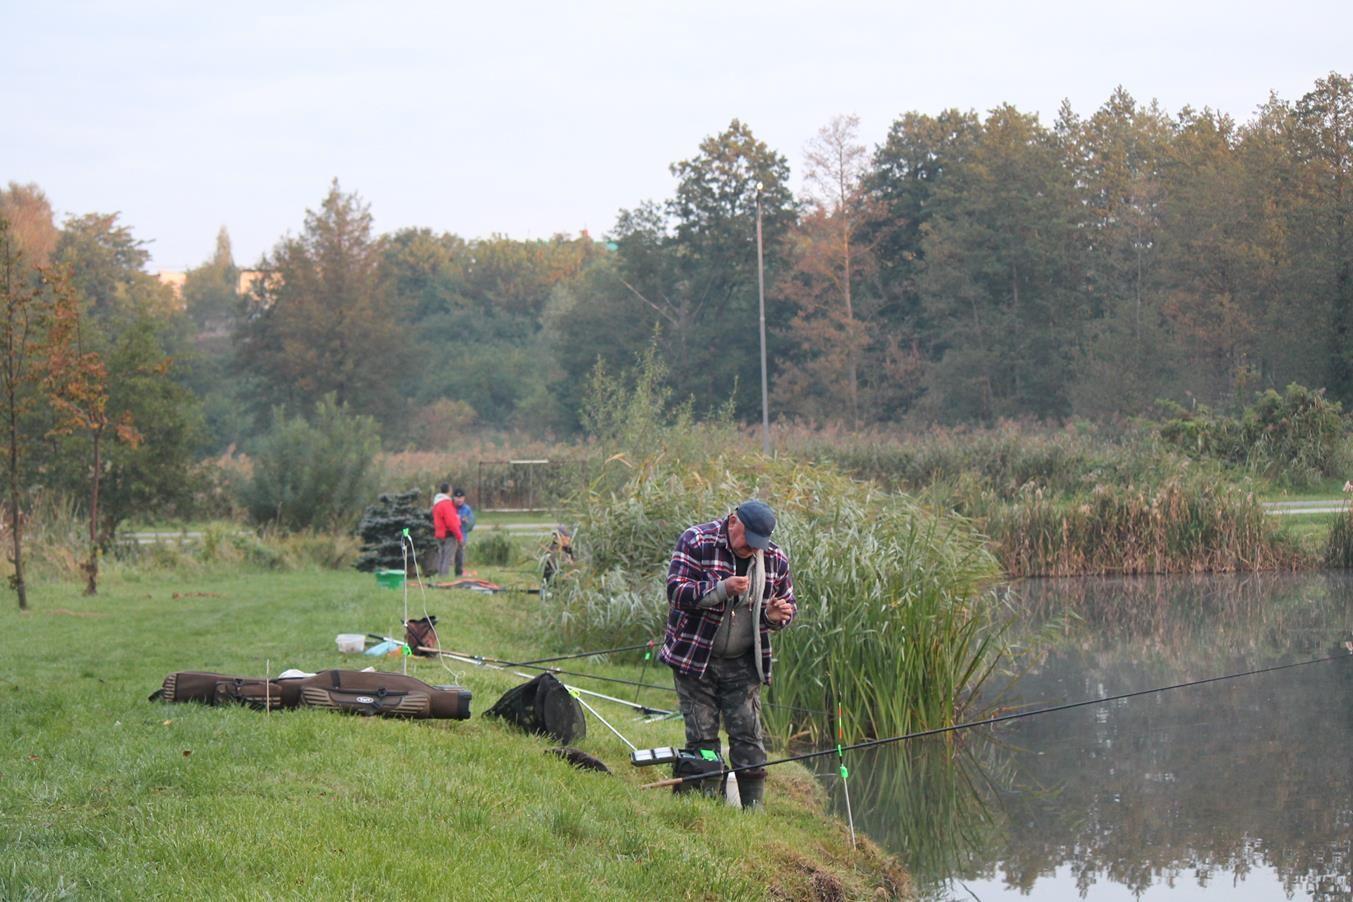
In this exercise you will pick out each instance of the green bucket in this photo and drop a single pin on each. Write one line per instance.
(390, 579)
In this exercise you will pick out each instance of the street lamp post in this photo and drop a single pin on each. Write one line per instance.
(761, 292)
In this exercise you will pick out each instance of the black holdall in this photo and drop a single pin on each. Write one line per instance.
(699, 763)
(542, 706)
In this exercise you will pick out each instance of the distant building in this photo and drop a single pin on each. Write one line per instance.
(175, 281)
(249, 278)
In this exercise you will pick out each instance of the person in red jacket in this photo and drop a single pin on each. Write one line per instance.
(446, 528)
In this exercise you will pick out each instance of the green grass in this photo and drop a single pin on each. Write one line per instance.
(104, 794)
(1310, 532)
(542, 518)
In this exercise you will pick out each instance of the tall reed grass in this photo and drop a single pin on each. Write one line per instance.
(893, 625)
(1339, 545)
(1183, 525)
(1005, 460)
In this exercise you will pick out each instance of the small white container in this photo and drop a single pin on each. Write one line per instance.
(350, 643)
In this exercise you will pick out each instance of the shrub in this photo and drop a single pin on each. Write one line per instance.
(1003, 460)
(1339, 545)
(1295, 438)
(315, 474)
(491, 547)
(382, 529)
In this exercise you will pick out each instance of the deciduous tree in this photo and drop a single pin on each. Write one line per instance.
(26, 342)
(828, 265)
(31, 222)
(77, 382)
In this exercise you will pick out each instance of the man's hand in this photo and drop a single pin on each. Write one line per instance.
(735, 585)
(779, 610)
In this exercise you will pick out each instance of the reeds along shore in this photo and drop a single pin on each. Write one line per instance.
(1179, 526)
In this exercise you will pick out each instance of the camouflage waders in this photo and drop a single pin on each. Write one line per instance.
(729, 689)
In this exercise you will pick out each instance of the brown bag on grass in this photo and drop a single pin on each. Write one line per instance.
(384, 694)
(370, 693)
(219, 689)
(421, 634)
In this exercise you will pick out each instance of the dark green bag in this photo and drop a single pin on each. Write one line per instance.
(699, 763)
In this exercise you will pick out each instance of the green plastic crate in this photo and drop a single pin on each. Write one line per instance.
(390, 579)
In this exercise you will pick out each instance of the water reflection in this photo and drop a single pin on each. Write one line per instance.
(1194, 792)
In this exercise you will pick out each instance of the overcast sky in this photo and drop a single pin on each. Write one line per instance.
(528, 119)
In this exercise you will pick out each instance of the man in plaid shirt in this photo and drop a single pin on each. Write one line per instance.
(729, 586)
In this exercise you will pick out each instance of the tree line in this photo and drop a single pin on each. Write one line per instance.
(969, 268)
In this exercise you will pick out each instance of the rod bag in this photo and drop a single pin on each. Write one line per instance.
(258, 694)
(372, 693)
(219, 688)
(369, 693)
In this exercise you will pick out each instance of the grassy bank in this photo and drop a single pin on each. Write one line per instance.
(105, 794)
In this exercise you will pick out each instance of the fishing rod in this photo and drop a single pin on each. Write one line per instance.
(643, 709)
(874, 743)
(625, 682)
(581, 654)
(500, 663)
(609, 679)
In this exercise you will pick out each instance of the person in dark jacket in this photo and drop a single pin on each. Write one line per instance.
(728, 588)
(446, 528)
(466, 514)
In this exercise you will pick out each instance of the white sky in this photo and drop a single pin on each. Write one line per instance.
(528, 119)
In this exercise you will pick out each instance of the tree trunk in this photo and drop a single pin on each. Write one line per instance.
(92, 567)
(16, 525)
(16, 528)
(852, 370)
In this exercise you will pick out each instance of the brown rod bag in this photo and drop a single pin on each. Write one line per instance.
(369, 693)
(219, 689)
(384, 695)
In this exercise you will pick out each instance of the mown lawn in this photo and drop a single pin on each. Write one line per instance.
(104, 794)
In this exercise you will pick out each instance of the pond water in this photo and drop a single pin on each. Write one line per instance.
(1238, 789)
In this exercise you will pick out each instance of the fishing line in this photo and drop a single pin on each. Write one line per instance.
(604, 721)
(423, 594)
(875, 743)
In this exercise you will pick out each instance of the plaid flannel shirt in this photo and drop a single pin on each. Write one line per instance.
(702, 558)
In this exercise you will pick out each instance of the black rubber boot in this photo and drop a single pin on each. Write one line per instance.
(752, 788)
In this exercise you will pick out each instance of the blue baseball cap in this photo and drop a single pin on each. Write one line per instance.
(758, 522)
